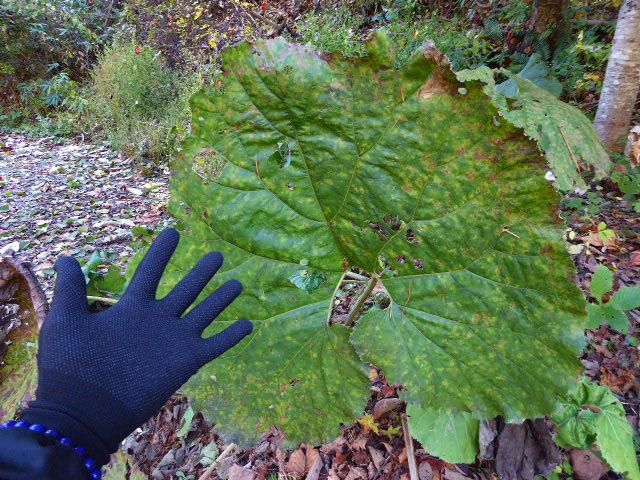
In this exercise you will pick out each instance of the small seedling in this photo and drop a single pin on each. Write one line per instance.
(611, 312)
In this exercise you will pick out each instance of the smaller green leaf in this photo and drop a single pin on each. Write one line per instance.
(186, 422)
(113, 282)
(595, 316)
(607, 313)
(592, 414)
(633, 341)
(308, 280)
(539, 73)
(567, 468)
(601, 282)
(122, 466)
(627, 298)
(209, 453)
(615, 437)
(508, 88)
(451, 437)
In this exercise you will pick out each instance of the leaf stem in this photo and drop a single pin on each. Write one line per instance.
(333, 296)
(360, 301)
(356, 276)
(111, 301)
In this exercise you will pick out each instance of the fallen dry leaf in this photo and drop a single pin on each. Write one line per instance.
(598, 240)
(236, 472)
(302, 460)
(633, 146)
(385, 406)
(586, 465)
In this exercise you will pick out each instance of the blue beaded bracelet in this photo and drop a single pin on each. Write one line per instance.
(94, 471)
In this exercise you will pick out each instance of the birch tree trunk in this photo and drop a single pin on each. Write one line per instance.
(622, 80)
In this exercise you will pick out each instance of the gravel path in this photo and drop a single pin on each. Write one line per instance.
(63, 198)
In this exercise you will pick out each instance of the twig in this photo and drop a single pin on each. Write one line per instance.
(253, 17)
(111, 301)
(593, 21)
(408, 442)
(573, 157)
(351, 319)
(217, 461)
(264, 19)
(356, 276)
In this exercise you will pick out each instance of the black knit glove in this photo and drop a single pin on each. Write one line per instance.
(101, 375)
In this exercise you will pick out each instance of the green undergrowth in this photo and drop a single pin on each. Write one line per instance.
(472, 37)
(141, 105)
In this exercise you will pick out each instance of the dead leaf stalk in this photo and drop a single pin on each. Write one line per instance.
(110, 301)
(227, 451)
(408, 442)
(356, 276)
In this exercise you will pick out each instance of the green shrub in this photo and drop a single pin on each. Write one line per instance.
(46, 106)
(333, 30)
(52, 34)
(137, 100)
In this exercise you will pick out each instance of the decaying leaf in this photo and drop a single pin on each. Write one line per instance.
(563, 133)
(523, 450)
(302, 460)
(23, 306)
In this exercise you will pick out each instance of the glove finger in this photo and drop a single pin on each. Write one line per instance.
(204, 313)
(184, 294)
(218, 344)
(71, 288)
(148, 274)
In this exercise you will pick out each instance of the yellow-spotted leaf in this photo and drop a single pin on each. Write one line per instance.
(331, 163)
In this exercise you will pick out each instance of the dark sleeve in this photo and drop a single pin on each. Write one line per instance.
(28, 455)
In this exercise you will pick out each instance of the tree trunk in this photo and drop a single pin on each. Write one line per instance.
(622, 80)
(548, 16)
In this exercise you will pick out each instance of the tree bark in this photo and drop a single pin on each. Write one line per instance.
(621, 81)
(548, 15)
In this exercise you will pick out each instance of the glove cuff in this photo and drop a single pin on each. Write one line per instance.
(68, 426)
(82, 411)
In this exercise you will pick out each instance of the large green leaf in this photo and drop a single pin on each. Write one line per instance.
(334, 162)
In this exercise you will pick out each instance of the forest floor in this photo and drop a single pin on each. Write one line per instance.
(64, 198)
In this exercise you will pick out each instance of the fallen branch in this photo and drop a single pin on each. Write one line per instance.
(217, 461)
